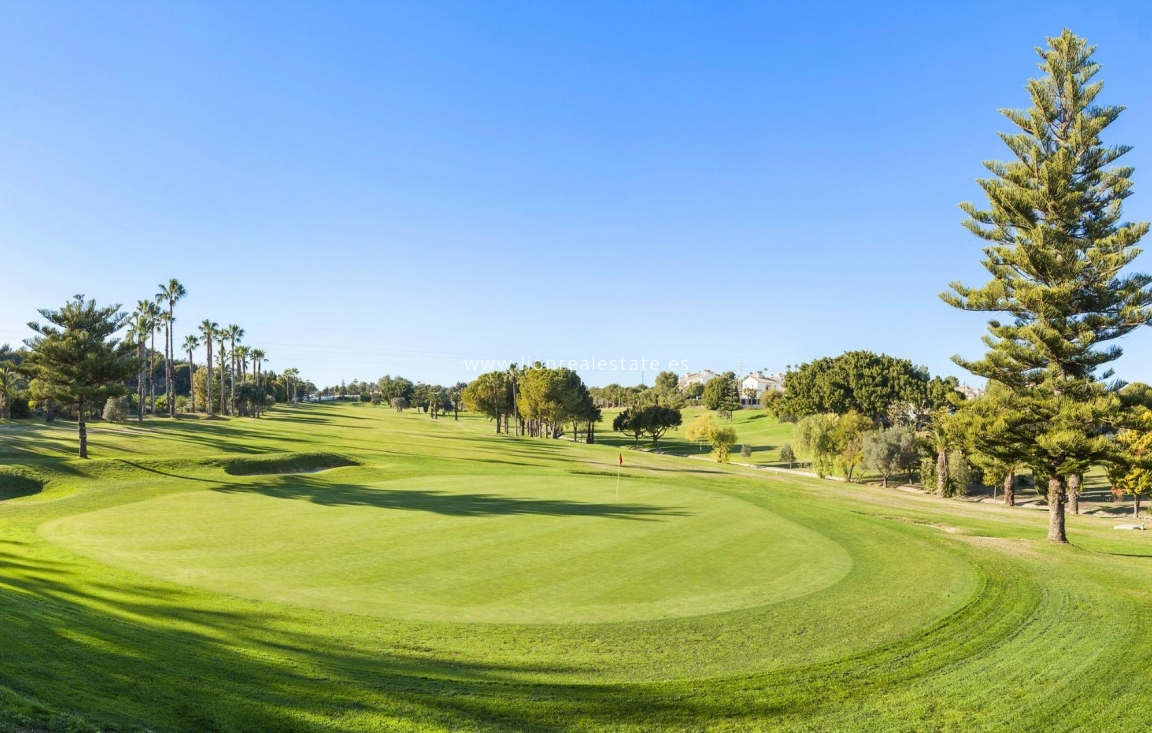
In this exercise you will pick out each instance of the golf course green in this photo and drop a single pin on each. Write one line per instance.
(346, 567)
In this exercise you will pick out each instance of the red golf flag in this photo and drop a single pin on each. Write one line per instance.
(621, 459)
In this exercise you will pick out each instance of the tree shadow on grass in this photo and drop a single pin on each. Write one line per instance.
(125, 653)
(448, 503)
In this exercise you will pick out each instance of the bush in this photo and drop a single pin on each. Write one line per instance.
(116, 409)
(928, 473)
(365, 397)
(745, 451)
(20, 408)
(787, 454)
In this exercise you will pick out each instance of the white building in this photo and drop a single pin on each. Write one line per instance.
(970, 392)
(758, 383)
(691, 378)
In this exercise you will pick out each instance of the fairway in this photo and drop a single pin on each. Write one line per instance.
(466, 548)
(442, 577)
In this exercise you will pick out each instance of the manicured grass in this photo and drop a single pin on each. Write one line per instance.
(454, 579)
(761, 432)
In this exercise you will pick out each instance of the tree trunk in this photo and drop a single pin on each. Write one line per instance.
(140, 382)
(884, 481)
(191, 384)
(1074, 493)
(208, 393)
(941, 471)
(1135, 506)
(152, 373)
(1010, 489)
(169, 350)
(83, 428)
(232, 382)
(1056, 531)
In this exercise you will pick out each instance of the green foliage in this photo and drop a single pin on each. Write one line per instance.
(722, 392)
(704, 428)
(628, 422)
(848, 436)
(1057, 252)
(860, 381)
(815, 442)
(1129, 462)
(889, 451)
(489, 394)
(74, 359)
(787, 455)
(11, 384)
(1056, 239)
(252, 400)
(770, 400)
(116, 409)
(654, 420)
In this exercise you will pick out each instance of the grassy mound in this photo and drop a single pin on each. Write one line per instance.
(17, 481)
(285, 463)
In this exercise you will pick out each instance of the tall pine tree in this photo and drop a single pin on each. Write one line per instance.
(75, 360)
(1056, 249)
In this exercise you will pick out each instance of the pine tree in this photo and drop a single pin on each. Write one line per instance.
(75, 360)
(1057, 245)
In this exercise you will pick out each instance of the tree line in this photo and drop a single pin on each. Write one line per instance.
(88, 361)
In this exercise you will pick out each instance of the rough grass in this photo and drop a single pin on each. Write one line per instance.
(150, 587)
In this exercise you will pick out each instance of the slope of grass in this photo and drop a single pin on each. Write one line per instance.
(455, 579)
(761, 432)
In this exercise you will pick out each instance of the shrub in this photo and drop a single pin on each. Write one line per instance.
(116, 409)
(20, 408)
(745, 451)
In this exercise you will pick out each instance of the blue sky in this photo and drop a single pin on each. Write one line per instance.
(397, 188)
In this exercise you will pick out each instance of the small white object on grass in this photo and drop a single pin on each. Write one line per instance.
(1129, 526)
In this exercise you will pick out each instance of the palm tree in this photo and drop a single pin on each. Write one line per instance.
(208, 331)
(191, 343)
(234, 334)
(150, 313)
(10, 384)
(242, 357)
(257, 360)
(290, 376)
(170, 293)
(220, 336)
(140, 327)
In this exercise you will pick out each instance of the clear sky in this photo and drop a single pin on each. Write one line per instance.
(399, 187)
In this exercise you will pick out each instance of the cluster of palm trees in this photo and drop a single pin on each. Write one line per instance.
(231, 359)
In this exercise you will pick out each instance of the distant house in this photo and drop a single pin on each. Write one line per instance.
(759, 384)
(691, 378)
(970, 392)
